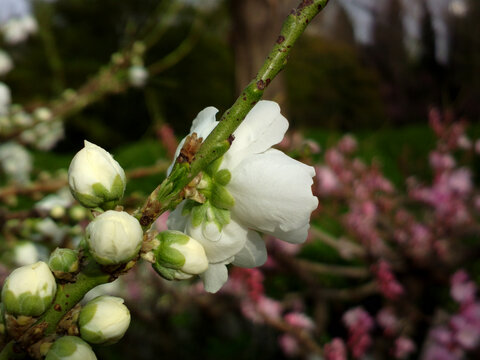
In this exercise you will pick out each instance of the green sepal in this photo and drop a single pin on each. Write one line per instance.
(86, 200)
(92, 336)
(199, 214)
(164, 272)
(222, 177)
(167, 256)
(213, 167)
(221, 217)
(87, 313)
(26, 304)
(221, 198)
(117, 189)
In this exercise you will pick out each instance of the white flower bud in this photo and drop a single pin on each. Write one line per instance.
(95, 178)
(29, 290)
(6, 63)
(114, 237)
(70, 348)
(178, 256)
(5, 98)
(137, 75)
(25, 253)
(63, 260)
(104, 320)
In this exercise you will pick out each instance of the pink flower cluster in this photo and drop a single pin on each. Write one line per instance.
(461, 333)
(335, 350)
(359, 324)
(389, 286)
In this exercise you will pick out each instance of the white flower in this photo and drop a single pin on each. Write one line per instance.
(5, 98)
(70, 348)
(95, 178)
(16, 162)
(29, 290)
(17, 30)
(25, 253)
(114, 237)
(137, 75)
(115, 287)
(178, 256)
(254, 188)
(104, 320)
(6, 64)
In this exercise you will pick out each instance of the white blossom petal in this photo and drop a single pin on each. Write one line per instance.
(295, 236)
(253, 254)
(262, 128)
(219, 245)
(203, 125)
(214, 278)
(272, 192)
(176, 221)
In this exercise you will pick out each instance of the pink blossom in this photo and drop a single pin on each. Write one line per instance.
(161, 222)
(289, 345)
(300, 320)
(327, 181)
(347, 144)
(404, 346)
(334, 159)
(387, 319)
(464, 142)
(359, 324)
(335, 350)
(477, 146)
(389, 286)
(441, 162)
(462, 290)
(460, 181)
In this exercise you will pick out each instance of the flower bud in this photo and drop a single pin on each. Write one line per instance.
(63, 262)
(70, 348)
(95, 178)
(29, 290)
(114, 237)
(178, 256)
(104, 320)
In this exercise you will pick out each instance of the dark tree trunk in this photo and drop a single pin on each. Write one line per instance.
(256, 25)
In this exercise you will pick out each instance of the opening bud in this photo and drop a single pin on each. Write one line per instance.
(29, 290)
(114, 237)
(104, 320)
(178, 256)
(70, 348)
(95, 178)
(63, 262)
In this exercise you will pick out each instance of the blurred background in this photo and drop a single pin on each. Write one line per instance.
(401, 76)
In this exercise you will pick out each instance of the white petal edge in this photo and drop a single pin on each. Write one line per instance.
(219, 246)
(215, 277)
(272, 192)
(176, 221)
(203, 125)
(253, 254)
(262, 128)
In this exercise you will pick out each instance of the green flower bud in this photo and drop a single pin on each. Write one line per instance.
(63, 261)
(95, 178)
(114, 237)
(29, 290)
(104, 320)
(70, 348)
(178, 256)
